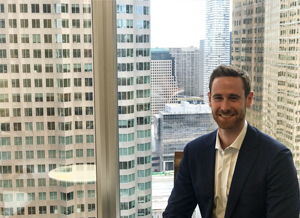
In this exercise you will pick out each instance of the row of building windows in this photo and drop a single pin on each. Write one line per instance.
(129, 52)
(130, 108)
(41, 154)
(39, 97)
(58, 23)
(62, 112)
(62, 140)
(42, 169)
(128, 9)
(36, 38)
(127, 23)
(9, 211)
(129, 81)
(38, 83)
(37, 68)
(130, 123)
(129, 66)
(131, 150)
(47, 8)
(59, 53)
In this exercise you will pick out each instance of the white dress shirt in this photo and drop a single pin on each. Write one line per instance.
(224, 168)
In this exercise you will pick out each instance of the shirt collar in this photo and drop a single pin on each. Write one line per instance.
(237, 142)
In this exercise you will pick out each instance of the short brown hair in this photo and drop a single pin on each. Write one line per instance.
(227, 70)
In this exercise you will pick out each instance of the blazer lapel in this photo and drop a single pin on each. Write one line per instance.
(246, 158)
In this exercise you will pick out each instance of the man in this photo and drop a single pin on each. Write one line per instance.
(236, 171)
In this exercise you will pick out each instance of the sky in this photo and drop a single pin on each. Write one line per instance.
(177, 23)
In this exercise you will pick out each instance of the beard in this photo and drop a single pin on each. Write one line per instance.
(233, 121)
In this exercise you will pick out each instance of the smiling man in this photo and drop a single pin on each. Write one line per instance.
(236, 171)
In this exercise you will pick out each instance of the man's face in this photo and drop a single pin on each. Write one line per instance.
(228, 103)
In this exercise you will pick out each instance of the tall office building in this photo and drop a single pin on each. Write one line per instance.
(46, 114)
(248, 19)
(201, 67)
(164, 87)
(217, 42)
(281, 74)
(187, 70)
(133, 37)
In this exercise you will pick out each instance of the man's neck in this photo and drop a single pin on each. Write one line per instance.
(228, 136)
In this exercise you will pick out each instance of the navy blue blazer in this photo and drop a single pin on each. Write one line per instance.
(264, 183)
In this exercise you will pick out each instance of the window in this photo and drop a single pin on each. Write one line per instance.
(41, 169)
(75, 23)
(79, 139)
(37, 53)
(28, 126)
(38, 97)
(11, 8)
(89, 96)
(87, 38)
(23, 8)
(80, 208)
(91, 193)
(2, 38)
(53, 209)
(88, 81)
(77, 96)
(29, 140)
(43, 209)
(88, 67)
(52, 154)
(49, 67)
(89, 111)
(17, 140)
(31, 210)
(47, 23)
(61, 8)
(78, 124)
(47, 38)
(35, 23)
(12, 23)
(51, 140)
(38, 83)
(142, 10)
(91, 207)
(76, 53)
(40, 140)
(3, 68)
(3, 97)
(89, 138)
(49, 83)
(5, 141)
(28, 112)
(89, 125)
(20, 211)
(5, 127)
(79, 153)
(17, 112)
(13, 38)
(35, 8)
(13, 53)
(42, 182)
(19, 183)
(24, 23)
(3, 83)
(39, 112)
(50, 111)
(47, 8)
(2, 23)
(143, 38)
(25, 54)
(36, 38)
(125, 9)
(53, 195)
(40, 125)
(25, 38)
(87, 8)
(29, 155)
(77, 67)
(75, 8)
(51, 125)
(49, 97)
(30, 197)
(2, 53)
(90, 153)
(76, 38)
(125, 38)
(87, 23)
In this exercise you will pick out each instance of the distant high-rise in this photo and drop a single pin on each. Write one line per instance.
(187, 70)
(164, 87)
(248, 19)
(217, 42)
(133, 37)
(201, 68)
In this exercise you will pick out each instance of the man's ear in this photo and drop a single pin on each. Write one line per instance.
(249, 99)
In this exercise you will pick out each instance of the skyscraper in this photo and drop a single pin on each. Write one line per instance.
(133, 37)
(164, 87)
(187, 70)
(217, 42)
(248, 50)
(47, 108)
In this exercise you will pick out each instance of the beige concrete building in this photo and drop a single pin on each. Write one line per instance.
(248, 50)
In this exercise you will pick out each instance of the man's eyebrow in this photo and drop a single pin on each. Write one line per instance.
(234, 95)
(217, 95)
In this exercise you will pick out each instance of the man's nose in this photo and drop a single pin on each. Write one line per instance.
(225, 105)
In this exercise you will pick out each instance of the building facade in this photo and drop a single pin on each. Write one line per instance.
(217, 42)
(178, 125)
(248, 50)
(134, 49)
(47, 108)
(281, 101)
(164, 87)
(187, 70)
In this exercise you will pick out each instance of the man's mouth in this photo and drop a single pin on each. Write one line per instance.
(226, 116)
